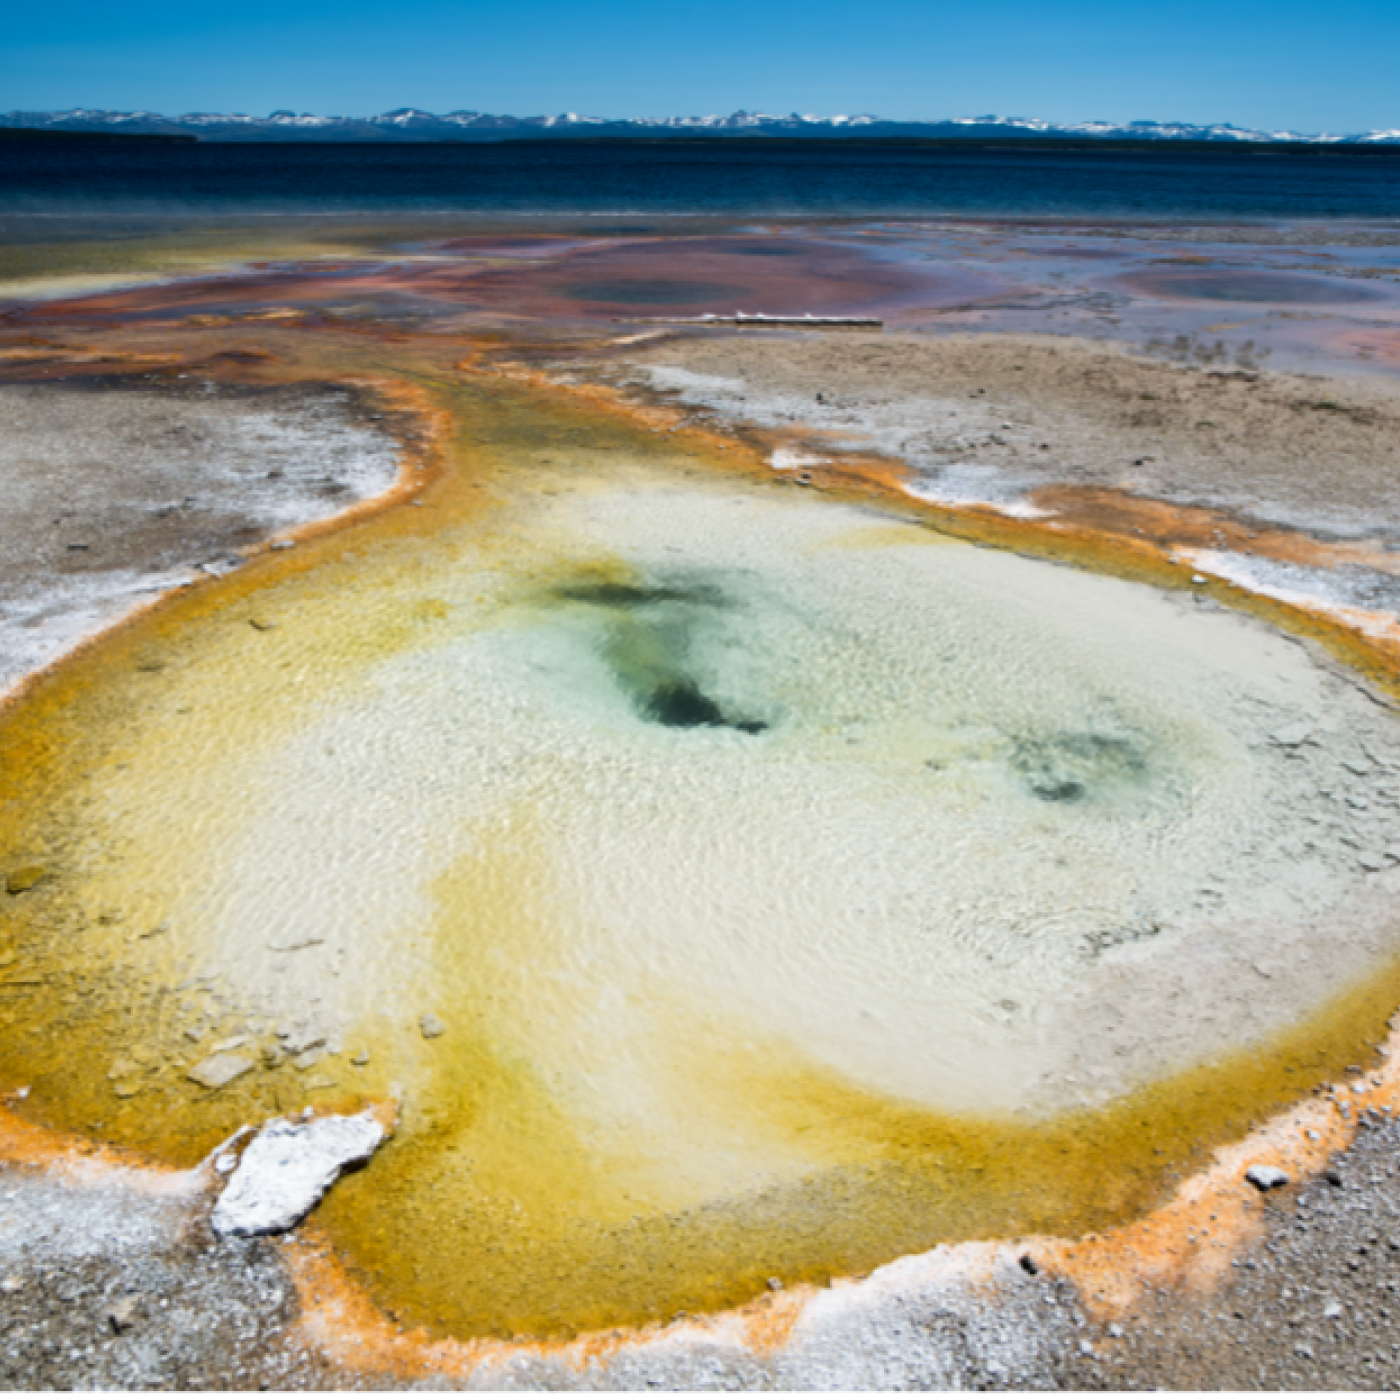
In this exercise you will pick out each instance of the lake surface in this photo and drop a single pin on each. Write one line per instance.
(606, 182)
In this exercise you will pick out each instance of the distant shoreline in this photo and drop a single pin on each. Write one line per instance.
(1154, 145)
(1094, 145)
(25, 133)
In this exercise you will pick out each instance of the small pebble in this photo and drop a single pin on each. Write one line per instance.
(25, 878)
(122, 1314)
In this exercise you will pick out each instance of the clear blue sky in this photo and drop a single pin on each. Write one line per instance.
(1287, 63)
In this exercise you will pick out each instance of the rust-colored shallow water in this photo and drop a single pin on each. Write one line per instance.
(560, 279)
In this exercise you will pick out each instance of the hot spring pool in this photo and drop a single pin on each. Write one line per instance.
(793, 886)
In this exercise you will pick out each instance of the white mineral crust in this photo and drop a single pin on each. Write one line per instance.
(288, 1167)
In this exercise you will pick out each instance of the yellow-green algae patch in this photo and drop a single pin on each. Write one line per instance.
(753, 853)
(90, 260)
(546, 1253)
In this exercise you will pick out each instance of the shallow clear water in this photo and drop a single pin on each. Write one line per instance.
(1251, 285)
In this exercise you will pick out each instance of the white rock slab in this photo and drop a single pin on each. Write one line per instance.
(1266, 1178)
(288, 1167)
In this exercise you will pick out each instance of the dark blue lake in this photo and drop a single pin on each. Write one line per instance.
(574, 179)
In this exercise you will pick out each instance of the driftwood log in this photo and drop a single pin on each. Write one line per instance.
(739, 318)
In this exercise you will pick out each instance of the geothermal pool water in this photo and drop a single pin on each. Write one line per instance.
(794, 886)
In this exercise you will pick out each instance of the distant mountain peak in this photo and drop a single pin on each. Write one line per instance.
(414, 124)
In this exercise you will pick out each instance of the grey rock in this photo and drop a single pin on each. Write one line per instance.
(299, 1038)
(431, 1026)
(219, 1070)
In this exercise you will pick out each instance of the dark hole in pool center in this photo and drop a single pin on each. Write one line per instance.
(648, 642)
(681, 704)
(631, 595)
(640, 291)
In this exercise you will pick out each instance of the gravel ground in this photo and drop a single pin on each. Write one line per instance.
(1315, 1307)
(110, 1288)
(117, 489)
(995, 417)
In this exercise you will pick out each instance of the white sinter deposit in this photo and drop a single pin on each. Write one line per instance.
(288, 1167)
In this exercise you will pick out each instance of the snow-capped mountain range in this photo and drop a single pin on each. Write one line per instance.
(409, 124)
